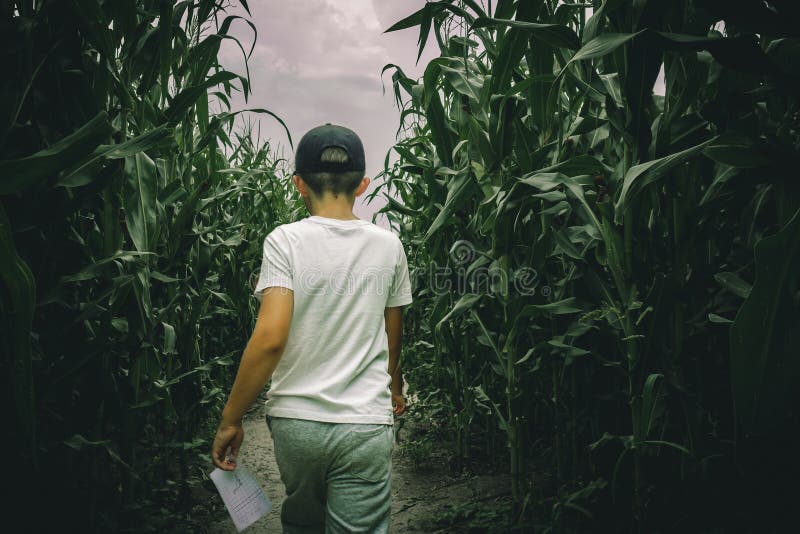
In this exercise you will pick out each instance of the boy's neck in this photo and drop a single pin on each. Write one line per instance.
(333, 210)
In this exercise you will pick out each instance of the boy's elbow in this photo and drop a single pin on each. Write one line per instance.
(273, 350)
(269, 345)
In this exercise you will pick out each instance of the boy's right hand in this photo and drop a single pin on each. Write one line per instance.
(399, 404)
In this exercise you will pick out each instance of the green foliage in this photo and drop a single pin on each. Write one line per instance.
(483, 518)
(418, 451)
(638, 355)
(131, 223)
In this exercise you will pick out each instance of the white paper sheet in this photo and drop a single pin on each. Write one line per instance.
(242, 495)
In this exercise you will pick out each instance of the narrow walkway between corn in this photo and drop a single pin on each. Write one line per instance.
(419, 496)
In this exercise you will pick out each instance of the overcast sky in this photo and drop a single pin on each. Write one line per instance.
(319, 61)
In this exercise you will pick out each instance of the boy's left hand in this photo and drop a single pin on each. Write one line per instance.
(228, 436)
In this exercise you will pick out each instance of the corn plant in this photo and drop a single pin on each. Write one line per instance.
(131, 221)
(639, 351)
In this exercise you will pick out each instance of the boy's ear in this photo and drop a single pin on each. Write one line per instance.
(362, 186)
(301, 186)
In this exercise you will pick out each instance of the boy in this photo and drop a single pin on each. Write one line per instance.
(332, 288)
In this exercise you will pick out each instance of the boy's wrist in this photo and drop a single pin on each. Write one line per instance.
(229, 419)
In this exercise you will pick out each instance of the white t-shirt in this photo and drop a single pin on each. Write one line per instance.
(343, 274)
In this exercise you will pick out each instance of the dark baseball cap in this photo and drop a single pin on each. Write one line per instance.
(307, 155)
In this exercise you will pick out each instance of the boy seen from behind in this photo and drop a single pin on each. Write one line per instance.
(332, 289)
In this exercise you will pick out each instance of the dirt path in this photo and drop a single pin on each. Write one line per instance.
(419, 496)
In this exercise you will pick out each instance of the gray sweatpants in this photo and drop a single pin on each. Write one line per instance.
(337, 475)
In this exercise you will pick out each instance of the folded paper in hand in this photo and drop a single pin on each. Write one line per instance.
(242, 495)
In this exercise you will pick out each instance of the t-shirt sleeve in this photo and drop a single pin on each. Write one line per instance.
(400, 292)
(276, 269)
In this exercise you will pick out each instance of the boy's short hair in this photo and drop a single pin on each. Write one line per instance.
(335, 182)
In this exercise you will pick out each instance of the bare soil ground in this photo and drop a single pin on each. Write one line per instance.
(426, 495)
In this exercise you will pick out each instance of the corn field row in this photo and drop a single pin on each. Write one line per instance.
(646, 380)
(619, 321)
(131, 225)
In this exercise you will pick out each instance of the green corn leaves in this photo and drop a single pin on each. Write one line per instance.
(20, 288)
(625, 220)
(139, 201)
(127, 256)
(764, 367)
(29, 171)
(640, 176)
(553, 34)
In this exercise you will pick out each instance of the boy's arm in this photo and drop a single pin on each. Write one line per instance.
(263, 351)
(261, 356)
(394, 333)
